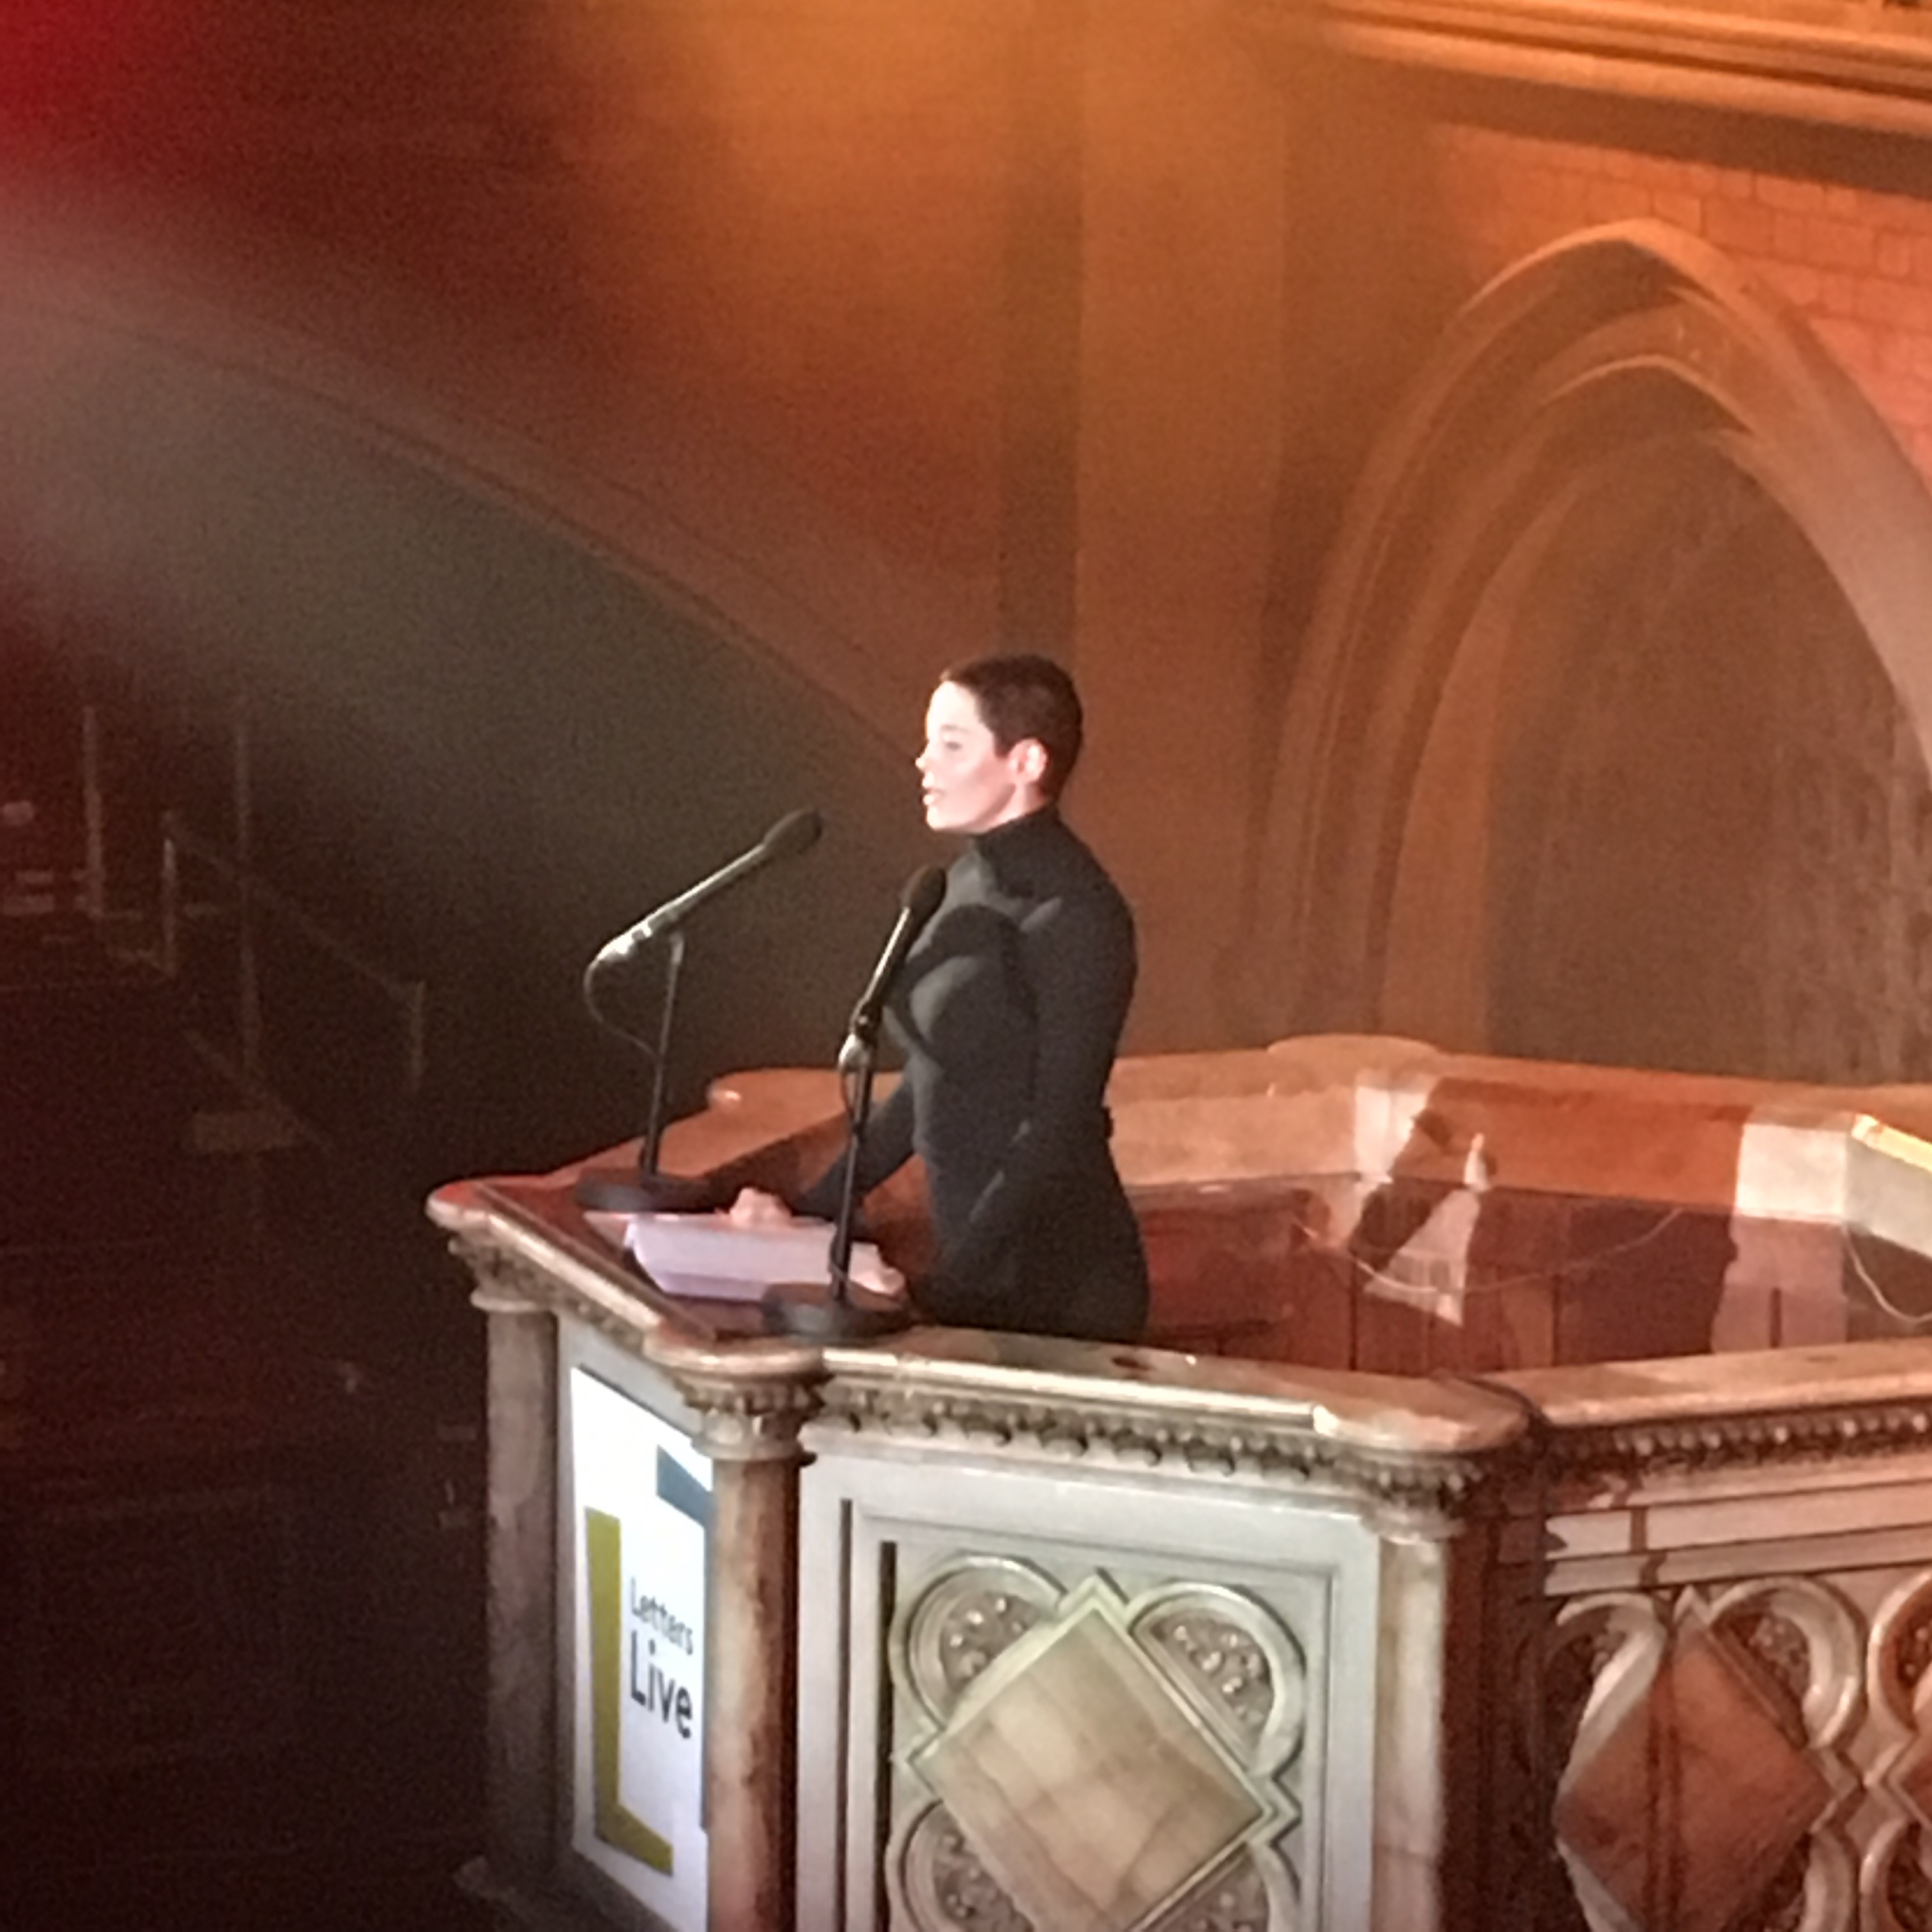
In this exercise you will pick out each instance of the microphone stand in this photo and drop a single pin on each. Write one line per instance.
(649, 1191)
(805, 1309)
(816, 1312)
(661, 1059)
(858, 1111)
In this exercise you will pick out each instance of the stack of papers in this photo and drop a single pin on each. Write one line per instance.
(710, 1257)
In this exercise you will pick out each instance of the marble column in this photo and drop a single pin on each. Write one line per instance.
(522, 1769)
(1430, 1720)
(750, 1412)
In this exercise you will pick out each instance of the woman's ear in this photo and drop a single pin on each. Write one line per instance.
(1029, 761)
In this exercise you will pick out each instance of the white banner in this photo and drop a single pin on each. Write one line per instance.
(641, 1539)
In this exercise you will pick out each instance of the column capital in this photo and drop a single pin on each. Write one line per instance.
(505, 1284)
(750, 1400)
(750, 1416)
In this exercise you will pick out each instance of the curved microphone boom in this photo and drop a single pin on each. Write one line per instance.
(652, 1189)
(794, 833)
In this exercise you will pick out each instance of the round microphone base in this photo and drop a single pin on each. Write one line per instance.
(606, 1192)
(812, 1311)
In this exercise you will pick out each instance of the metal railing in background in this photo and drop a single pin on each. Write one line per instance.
(266, 938)
(252, 904)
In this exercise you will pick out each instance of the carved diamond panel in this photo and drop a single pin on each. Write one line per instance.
(1702, 1776)
(1083, 1762)
(1084, 1782)
(1897, 1877)
(1741, 1795)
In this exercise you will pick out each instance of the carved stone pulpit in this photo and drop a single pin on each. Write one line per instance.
(1518, 1519)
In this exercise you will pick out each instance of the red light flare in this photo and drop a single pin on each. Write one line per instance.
(75, 69)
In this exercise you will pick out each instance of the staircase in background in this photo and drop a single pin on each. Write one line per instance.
(240, 1444)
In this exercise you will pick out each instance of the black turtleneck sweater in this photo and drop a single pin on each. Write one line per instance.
(1009, 1010)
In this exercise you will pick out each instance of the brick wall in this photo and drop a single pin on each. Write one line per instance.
(1855, 262)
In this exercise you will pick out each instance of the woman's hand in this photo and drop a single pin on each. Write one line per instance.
(755, 1208)
(870, 1273)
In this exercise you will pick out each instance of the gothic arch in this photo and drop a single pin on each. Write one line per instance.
(94, 313)
(490, 720)
(1587, 397)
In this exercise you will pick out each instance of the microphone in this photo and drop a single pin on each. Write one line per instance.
(918, 900)
(793, 834)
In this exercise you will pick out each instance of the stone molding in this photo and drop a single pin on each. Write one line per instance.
(751, 1398)
(1417, 1451)
(508, 1283)
(1464, 1449)
(1286, 1451)
(747, 1418)
(1867, 67)
(1453, 1454)
(1709, 1445)
(505, 1285)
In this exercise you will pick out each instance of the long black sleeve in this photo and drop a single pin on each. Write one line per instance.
(885, 1148)
(1077, 963)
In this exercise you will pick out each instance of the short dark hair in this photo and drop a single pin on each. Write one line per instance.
(1021, 695)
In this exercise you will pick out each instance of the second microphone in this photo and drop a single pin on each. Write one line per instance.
(918, 900)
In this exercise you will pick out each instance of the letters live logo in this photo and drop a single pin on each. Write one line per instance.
(645, 1666)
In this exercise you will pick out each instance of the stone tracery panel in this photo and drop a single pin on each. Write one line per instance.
(1070, 1755)
(1753, 1758)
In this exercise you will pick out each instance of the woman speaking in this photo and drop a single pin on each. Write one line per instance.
(1009, 1010)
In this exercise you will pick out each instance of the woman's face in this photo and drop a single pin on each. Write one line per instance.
(968, 784)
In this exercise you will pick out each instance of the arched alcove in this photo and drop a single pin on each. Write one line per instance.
(1611, 737)
(485, 735)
